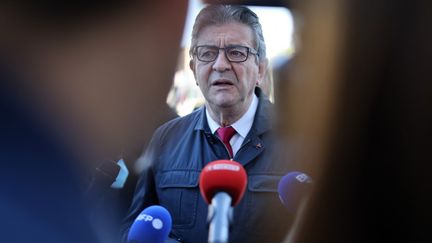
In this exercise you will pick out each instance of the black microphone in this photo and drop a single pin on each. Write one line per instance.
(103, 177)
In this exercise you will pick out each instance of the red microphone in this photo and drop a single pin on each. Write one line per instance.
(222, 185)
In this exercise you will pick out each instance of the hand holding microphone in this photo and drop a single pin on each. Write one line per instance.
(222, 185)
(152, 225)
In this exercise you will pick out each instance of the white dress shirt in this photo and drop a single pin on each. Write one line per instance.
(242, 126)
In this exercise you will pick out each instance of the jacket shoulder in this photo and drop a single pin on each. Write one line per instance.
(180, 124)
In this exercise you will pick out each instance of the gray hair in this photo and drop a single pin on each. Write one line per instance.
(222, 14)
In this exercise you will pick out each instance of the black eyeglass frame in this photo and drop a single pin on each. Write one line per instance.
(226, 48)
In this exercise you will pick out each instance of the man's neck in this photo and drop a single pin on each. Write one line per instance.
(226, 116)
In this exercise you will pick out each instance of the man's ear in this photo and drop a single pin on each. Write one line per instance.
(262, 69)
(192, 66)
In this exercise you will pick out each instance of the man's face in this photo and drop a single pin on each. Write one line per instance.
(223, 83)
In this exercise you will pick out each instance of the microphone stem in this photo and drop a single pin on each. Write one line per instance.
(220, 216)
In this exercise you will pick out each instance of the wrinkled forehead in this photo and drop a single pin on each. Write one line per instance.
(232, 33)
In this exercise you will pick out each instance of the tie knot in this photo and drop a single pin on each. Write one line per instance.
(226, 133)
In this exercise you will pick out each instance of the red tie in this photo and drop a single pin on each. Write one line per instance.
(226, 133)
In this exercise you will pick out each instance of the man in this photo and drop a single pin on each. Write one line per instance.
(228, 62)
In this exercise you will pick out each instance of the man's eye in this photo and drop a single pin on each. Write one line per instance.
(208, 54)
(236, 53)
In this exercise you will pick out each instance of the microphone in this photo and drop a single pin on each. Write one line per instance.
(152, 225)
(103, 177)
(222, 185)
(293, 188)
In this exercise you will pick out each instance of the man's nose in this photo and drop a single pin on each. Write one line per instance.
(221, 63)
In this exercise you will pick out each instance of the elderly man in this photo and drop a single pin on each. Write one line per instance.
(229, 62)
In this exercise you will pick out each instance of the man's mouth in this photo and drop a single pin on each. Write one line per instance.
(222, 82)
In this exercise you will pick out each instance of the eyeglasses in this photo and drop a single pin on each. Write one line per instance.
(232, 53)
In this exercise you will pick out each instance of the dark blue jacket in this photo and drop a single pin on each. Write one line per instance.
(175, 157)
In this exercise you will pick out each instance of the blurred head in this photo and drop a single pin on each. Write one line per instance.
(228, 56)
(88, 68)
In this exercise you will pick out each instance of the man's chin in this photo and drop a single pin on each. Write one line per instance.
(224, 99)
(225, 103)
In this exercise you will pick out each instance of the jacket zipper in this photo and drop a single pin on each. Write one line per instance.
(241, 147)
(226, 148)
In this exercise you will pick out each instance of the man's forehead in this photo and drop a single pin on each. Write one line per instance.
(229, 33)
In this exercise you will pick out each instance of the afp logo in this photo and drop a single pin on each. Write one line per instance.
(156, 223)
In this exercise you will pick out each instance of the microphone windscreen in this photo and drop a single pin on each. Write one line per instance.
(102, 178)
(293, 188)
(152, 225)
(223, 176)
(108, 170)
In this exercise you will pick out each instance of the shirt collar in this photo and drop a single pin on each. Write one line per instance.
(243, 125)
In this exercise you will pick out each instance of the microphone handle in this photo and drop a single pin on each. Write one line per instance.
(220, 217)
